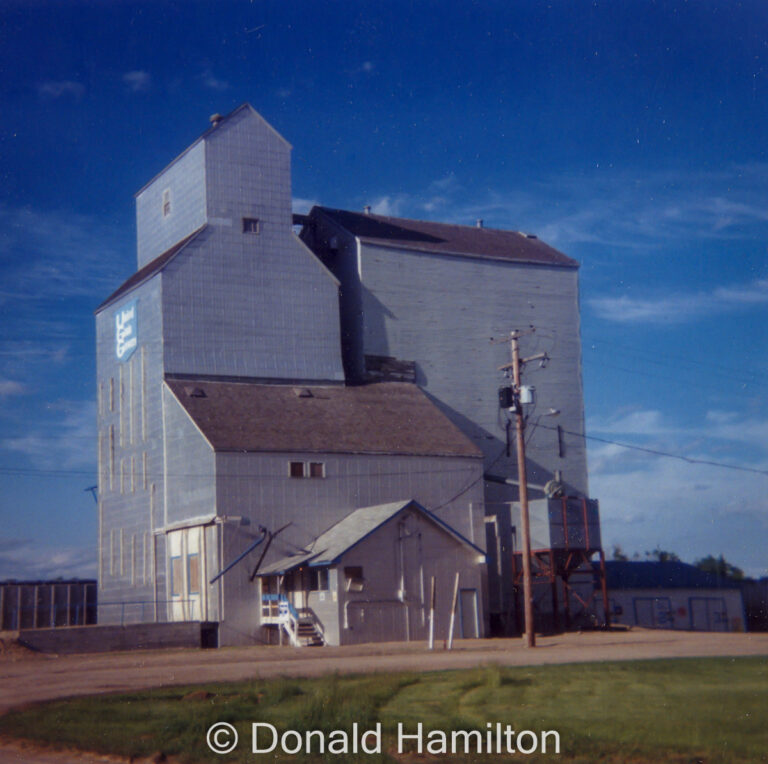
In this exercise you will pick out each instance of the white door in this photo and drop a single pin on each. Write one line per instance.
(186, 571)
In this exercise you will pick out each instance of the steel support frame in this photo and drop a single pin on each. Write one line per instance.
(568, 567)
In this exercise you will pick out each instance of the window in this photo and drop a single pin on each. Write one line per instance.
(306, 469)
(177, 582)
(166, 202)
(318, 580)
(353, 575)
(193, 573)
(250, 225)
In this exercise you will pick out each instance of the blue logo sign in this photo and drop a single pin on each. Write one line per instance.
(126, 331)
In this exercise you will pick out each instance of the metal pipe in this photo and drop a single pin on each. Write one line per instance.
(238, 558)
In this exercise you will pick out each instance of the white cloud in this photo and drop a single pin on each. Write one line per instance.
(653, 428)
(61, 88)
(302, 206)
(389, 206)
(648, 500)
(635, 423)
(635, 212)
(46, 254)
(212, 82)
(137, 81)
(10, 387)
(24, 560)
(64, 439)
(693, 510)
(680, 307)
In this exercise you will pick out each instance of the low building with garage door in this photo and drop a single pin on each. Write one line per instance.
(672, 595)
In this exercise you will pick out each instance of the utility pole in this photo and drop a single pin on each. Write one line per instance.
(514, 337)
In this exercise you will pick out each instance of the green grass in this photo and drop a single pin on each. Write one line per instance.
(709, 710)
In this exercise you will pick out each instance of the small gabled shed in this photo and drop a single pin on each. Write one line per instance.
(368, 579)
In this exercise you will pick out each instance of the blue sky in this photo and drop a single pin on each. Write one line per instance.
(630, 135)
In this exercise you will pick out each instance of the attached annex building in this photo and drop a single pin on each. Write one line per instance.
(335, 391)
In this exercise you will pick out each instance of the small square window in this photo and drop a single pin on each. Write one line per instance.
(316, 470)
(353, 575)
(250, 225)
(297, 469)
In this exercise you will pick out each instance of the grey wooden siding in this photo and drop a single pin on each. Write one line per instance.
(185, 181)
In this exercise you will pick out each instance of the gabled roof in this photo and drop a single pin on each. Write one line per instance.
(329, 546)
(446, 238)
(219, 124)
(150, 269)
(385, 418)
(621, 574)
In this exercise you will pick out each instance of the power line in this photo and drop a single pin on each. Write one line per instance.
(138, 473)
(666, 454)
(677, 360)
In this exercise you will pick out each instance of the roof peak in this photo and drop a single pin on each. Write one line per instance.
(217, 122)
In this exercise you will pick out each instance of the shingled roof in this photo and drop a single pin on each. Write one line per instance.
(446, 238)
(384, 418)
(329, 546)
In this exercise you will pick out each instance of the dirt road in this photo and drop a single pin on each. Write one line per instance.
(27, 680)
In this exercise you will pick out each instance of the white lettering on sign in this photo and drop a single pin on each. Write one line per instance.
(126, 331)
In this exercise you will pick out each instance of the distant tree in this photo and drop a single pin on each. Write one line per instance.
(662, 555)
(618, 554)
(720, 567)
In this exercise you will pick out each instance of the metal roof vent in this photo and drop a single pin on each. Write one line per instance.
(302, 392)
(367, 209)
(479, 223)
(215, 119)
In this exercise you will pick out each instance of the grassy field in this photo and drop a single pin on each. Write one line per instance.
(690, 710)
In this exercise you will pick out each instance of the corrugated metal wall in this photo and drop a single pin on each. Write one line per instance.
(184, 184)
(250, 304)
(441, 312)
(130, 460)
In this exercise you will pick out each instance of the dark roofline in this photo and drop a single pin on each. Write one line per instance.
(150, 269)
(419, 229)
(203, 136)
(349, 452)
(652, 574)
(471, 255)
